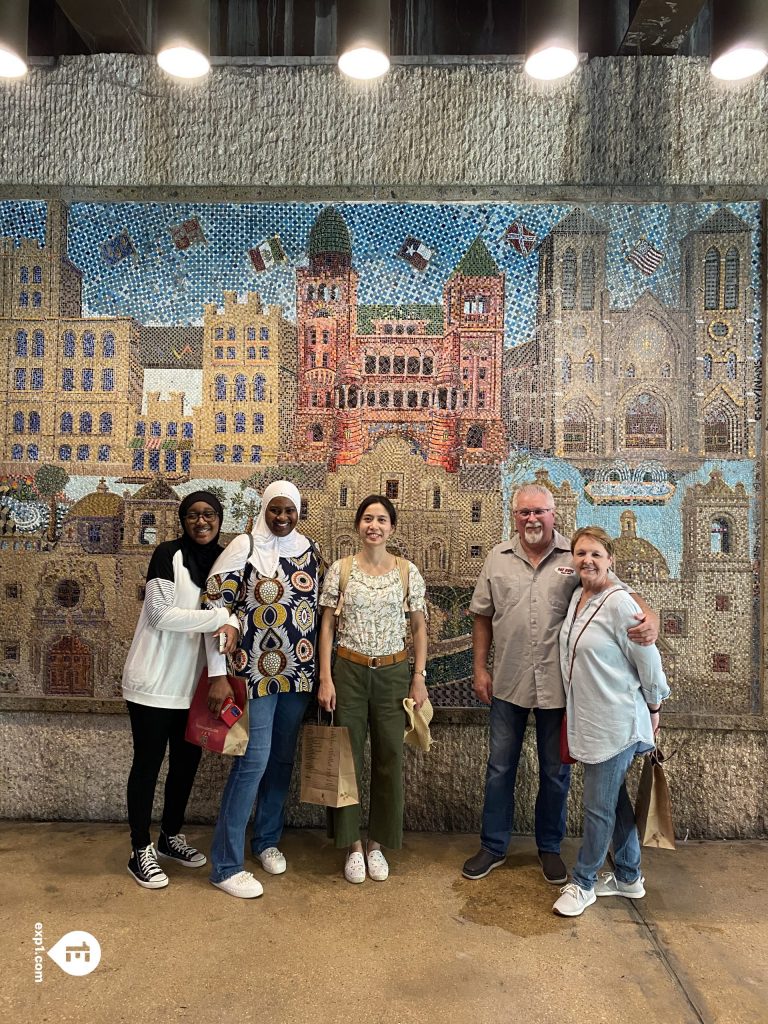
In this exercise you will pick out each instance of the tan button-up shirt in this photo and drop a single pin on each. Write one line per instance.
(527, 605)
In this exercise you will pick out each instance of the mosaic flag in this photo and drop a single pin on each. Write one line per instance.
(521, 238)
(115, 250)
(645, 257)
(416, 253)
(187, 234)
(154, 443)
(266, 255)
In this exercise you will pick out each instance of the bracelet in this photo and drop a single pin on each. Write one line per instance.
(654, 711)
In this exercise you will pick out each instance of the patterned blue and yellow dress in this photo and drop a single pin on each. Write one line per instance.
(278, 622)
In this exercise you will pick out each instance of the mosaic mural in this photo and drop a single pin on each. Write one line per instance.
(438, 353)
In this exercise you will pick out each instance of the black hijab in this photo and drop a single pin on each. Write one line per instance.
(198, 559)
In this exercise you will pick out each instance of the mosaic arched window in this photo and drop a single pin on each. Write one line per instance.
(24, 275)
(86, 423)
(707, 366)
(66, 423)
(37, 275)
(720, 539)
(34, 423)
(588, 279)
(148, 528)
(666, 370)
(717, 434)
(589, 369)
(38, 344)
(239, 422)
(89, 344)
(17, 452)
(220, 423)
(259, 383)
(69, 344)
(569, 279)
(240, 385)
(221, 387)
(33, 453)
(105, 423)
(730, 366)
(646, 423)
(712, 279)
(18, 423)
(731, 292)
(311, 293)
(108, 345)
(237, 453)
(21, 343)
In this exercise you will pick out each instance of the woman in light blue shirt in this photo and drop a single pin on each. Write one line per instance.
(614, 690)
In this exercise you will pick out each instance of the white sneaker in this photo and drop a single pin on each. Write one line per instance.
(609, 885)
(272, 860)
(378, 868)
(354, 869)
(243, 884)
(573, 900)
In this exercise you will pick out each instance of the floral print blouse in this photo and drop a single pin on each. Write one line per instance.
(372, 620)
(278, 623)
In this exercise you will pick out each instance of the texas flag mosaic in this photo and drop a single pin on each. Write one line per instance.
(416, 253)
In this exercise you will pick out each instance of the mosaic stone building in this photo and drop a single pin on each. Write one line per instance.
(430, 374)
(598, 382)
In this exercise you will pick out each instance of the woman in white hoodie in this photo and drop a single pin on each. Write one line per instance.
(161, 671)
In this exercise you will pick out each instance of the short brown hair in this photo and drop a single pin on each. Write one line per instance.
(596, 533)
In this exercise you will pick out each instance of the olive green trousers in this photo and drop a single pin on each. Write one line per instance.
(368, 697)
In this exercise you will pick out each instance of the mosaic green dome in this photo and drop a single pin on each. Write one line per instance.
(329, 234)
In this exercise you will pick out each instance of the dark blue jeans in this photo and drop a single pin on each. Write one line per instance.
(261, 776)
(506, 743)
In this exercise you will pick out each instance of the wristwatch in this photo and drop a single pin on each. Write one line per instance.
(421, 672)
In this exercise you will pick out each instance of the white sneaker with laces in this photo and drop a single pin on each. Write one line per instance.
(272, 860)
(609, 885)
(243, 885)
(354, 869)
(573, 900)
(378, 868)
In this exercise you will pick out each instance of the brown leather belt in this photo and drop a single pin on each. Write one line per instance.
(379, 662)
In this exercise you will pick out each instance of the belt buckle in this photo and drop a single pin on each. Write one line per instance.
(373, 663)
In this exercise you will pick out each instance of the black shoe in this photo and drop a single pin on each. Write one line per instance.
(144, 868)
(175, 848)
(553, 867)
(481, 864)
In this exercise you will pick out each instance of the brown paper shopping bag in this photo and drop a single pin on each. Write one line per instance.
(653, 808)
(327, 766)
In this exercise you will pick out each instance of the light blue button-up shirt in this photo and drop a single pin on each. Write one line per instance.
(609, 680)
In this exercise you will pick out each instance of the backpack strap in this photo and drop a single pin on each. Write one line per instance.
(345, 569)
(404, 569)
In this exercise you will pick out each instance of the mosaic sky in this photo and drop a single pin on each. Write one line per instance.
(161, 284)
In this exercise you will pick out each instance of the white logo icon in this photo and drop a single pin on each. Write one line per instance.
(76, 953)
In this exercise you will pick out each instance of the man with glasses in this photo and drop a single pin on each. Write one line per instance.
(519, 603)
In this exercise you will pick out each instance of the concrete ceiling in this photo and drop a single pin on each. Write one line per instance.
(420, 27)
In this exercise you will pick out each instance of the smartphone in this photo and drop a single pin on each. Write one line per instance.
(222, 642)
(230, 712)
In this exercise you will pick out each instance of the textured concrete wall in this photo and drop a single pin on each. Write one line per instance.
(114, 126)
(118, 121)
(73, 767)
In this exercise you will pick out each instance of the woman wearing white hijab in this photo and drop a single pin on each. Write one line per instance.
(271, 582)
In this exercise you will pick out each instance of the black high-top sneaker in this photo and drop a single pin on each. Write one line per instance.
(175, 848)
(144, 868)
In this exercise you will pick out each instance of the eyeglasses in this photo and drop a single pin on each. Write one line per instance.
(192, 517)
(523, 513)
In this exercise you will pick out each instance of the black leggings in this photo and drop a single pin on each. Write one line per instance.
(153, 730)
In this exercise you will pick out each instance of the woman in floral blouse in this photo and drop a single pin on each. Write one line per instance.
(271, 582)
(371, 677)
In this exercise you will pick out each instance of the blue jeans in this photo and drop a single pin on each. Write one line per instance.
(262, 776)
(506, 744)
(608, 815)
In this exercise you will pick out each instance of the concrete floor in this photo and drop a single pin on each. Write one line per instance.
(425, 946)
